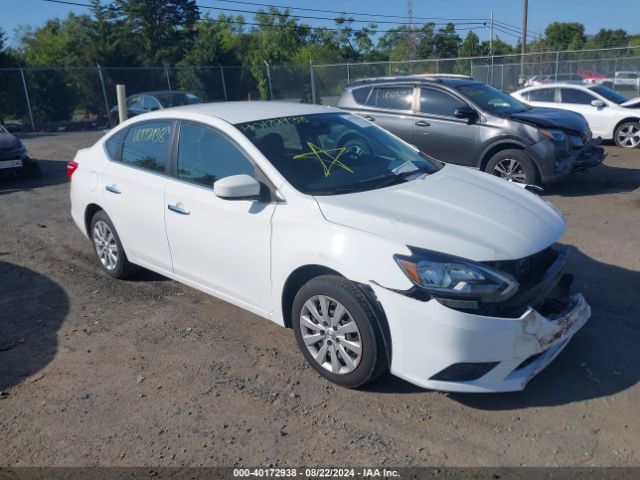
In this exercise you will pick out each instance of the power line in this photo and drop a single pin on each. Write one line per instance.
(381, 15)
(353, 20)
(302, 26)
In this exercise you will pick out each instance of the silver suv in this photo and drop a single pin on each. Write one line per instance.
(459, 120)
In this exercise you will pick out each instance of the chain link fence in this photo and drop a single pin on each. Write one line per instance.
(505, 72)
(81, 97)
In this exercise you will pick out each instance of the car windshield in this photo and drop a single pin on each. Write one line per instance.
(334, 153)
(491, 99)
(168, 100)
(609, 94)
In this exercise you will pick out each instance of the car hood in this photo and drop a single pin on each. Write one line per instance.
(552, 118)
(8, 141)
(633, 103)
(457, 210)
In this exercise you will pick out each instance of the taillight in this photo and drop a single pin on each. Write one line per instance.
(72, 166)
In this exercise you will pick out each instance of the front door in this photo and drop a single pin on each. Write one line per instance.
(579, 101)
(438, 133)
(222, 245)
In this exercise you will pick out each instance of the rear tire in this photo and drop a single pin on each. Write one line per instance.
(338, 331)
(514, 166)
(108, 248)
(627, 135)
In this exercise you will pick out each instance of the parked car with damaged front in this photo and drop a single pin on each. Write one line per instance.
(378, 260)
(459, 120)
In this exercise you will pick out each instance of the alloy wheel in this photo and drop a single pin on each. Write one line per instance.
(628, 135)
(331, 334)
(105, 244)
(510, 169)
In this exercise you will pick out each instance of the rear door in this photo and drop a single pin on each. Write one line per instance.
(390, 106)
(134, 192)
(542, 97)
(437, 132)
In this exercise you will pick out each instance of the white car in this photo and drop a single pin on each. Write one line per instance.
(380, 260)
(610, 114)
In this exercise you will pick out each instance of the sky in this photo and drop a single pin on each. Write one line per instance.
(623, 14)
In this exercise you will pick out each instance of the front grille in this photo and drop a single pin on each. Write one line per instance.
(529, 270)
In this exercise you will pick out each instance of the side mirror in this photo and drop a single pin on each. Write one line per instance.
(465, 112)
(236, 187)
(597, 103)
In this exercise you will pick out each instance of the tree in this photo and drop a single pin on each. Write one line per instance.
(560, 34)
(606, 38)
(447, 42)
(162, 29)
(471, 46)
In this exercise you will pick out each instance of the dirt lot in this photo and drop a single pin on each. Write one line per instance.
(95, 371)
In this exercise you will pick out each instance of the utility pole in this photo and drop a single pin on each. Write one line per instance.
(491, 50)
(524, 40)
(412, 34)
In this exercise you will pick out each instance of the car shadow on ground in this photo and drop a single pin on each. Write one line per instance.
(32, 308)
(601, 360)
(600, 180)
(54, 172)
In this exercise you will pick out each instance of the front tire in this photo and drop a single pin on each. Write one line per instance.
(514, 166)
(627, 135)
(108, 248)
(338, 331)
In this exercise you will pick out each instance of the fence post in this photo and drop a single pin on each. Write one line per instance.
(166, 72)
(104, 92)
(471, 68)
(26, 94)
(224, 85)
(269, 80)
(348, 74)
(557, 64)
(313, 83)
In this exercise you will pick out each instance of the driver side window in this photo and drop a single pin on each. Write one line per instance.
(435, 102)
(206, 155)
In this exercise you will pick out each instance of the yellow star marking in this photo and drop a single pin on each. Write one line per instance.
(316, 152)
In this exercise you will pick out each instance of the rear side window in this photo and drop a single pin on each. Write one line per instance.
(436, 102)
(148, 145)
(394, 98)
(572, 95)
(542, 95)
(360, 95)
(112, 144)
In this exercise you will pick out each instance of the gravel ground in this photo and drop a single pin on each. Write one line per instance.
(95, 371)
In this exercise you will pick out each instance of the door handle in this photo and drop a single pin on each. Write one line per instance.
(178, 208)
(113, 189)
(369, 117)
(422, 123)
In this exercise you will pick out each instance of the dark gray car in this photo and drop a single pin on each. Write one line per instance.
(466, 122)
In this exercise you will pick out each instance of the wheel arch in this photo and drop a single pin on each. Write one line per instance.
(624, 120)
(491, 150)
(303, 274)
(89, 213)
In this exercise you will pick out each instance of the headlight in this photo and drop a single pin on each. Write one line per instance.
(557, 135)
(456, 281)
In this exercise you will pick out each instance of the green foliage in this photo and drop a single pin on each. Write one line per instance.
(447, 42)
(562, 34)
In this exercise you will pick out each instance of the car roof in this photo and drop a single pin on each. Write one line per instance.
(561, 84)
(160, 92)
(247, 111)
(452, 81)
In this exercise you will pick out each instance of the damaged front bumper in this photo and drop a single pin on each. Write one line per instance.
(589, 156)
(440, 348)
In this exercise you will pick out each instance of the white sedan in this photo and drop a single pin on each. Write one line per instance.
(610, 114)
(378, 260)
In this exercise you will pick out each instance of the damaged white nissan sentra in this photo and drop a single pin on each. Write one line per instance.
(377, 256)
